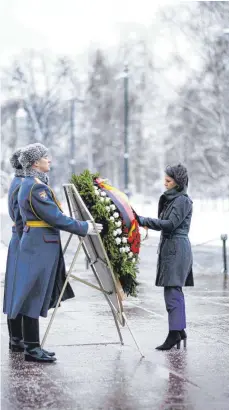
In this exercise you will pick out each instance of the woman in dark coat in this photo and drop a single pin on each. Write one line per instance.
(174, 267)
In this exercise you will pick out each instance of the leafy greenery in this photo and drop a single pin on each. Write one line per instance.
(125, 269)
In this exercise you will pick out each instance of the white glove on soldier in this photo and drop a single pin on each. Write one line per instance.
(91, 229)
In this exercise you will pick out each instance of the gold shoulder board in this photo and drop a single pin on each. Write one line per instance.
(38, 181)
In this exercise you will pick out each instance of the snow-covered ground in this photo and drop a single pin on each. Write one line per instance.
(210, 220)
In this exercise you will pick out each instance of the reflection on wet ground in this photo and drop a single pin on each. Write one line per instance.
(92, 373)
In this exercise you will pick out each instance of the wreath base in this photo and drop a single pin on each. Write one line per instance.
(122, 294)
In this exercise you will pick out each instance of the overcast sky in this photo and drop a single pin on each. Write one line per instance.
(68, 26)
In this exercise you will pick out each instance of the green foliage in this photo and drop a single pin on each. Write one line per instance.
(123, 267)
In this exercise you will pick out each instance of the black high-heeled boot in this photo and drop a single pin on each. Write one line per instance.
(173, 339)
(33, 351)
(183, 336)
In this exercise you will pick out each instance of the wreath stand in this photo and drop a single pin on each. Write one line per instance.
(98, 261)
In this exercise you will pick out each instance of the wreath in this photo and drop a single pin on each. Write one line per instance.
(120, 235)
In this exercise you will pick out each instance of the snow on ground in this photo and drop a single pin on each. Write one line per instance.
(210, 220)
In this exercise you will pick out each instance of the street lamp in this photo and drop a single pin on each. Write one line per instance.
(21, 113)
(72, 136)
(73, 102)
(20, 122)
(126, 129)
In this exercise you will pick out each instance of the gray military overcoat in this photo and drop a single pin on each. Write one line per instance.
(17, 231)
(39, 272)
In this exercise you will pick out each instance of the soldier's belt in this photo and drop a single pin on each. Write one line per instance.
(38, 224)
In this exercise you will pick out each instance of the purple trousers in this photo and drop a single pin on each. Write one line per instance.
(175, 306)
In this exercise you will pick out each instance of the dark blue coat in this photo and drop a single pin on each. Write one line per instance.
(174, 267)
(17, 230)
(40, 270)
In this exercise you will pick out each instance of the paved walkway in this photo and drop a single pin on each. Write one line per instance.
(90, 375)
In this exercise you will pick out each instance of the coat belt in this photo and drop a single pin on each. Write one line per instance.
(38, 224)
(175, 235)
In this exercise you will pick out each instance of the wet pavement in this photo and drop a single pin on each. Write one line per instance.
(94, 371)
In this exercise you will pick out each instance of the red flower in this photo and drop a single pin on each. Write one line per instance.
(134, 240)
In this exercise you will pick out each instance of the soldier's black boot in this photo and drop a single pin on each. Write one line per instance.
(16, 343)
(173, 339)
(184, 337)
(45, 351)
(33, 351)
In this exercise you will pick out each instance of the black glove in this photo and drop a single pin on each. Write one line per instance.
(136, 215)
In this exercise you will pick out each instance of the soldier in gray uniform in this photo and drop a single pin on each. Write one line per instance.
(16, 343)
(40, 270)
(14, 325)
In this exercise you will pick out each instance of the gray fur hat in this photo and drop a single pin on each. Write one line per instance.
(14, 159)
(179, 173)
(32, 153)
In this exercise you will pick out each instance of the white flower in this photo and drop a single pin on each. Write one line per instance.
(133, 260)
(124, 240)
(116, 215)
(118, 223)
(118, 241)
(112, 218)
(127, 249)
(96, 188)
(119, 231)
(108, 208)
(102, 199)
(97, 193)
(113, 207)
(130, 254)
(107, 200)
(103, 193)
(122, 250)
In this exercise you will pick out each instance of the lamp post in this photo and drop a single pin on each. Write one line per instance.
(73, 101)
(20, 124)
(21, 113)
(126, 130)
(26, 108)
(72, 135)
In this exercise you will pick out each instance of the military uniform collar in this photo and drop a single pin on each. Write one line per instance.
(19, 173)
(38, 180)
(41, 177)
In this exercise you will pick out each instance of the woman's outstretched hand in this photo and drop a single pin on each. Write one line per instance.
(136, 216)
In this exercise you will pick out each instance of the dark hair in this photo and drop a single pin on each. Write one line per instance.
(180, 175)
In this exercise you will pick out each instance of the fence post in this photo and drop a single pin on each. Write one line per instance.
(224, 239)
